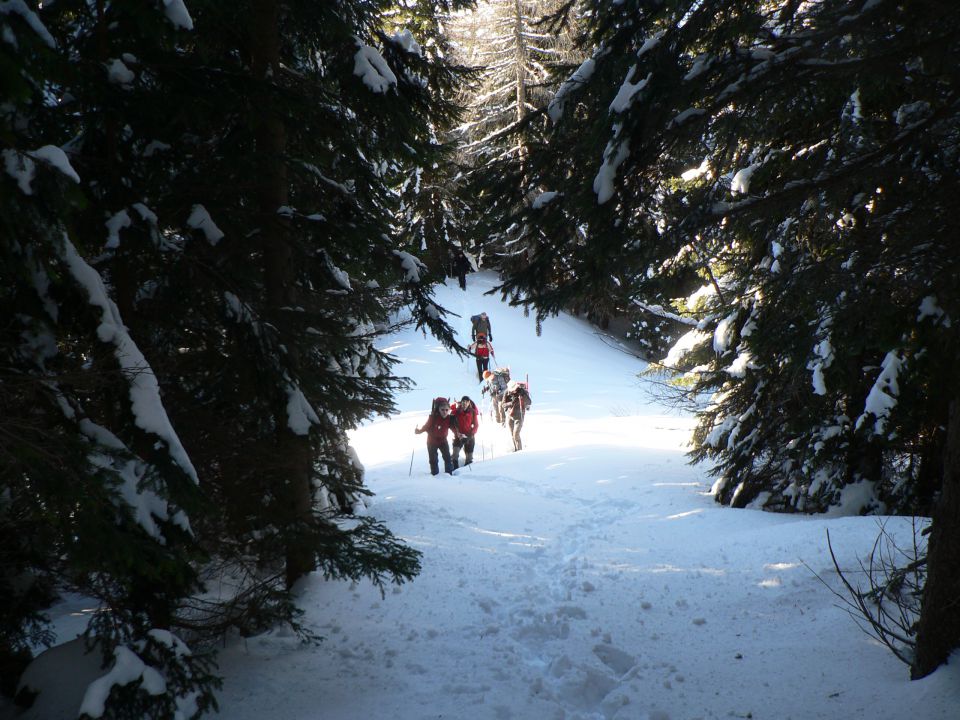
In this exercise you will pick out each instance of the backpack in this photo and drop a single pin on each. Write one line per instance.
(479, 324)
(524, 395)
(501, 377)
(519, 392)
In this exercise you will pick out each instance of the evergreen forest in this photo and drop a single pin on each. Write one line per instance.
(211, 212)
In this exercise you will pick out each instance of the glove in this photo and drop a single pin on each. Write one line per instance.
(417, 431)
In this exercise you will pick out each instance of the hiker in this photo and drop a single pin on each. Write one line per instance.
(466, 420)
(515, 403)
(461, 266)
(437, 426)
(482, 350)
(480, 324)
(495, 383)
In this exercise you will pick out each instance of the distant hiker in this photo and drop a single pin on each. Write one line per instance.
(482, 350)
(495, 383)
(466, 420)
(437, 426)
(515, 403)
(461, 266)
(480, 324)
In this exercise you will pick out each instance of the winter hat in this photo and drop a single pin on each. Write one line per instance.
(512, 385)
(487, 374)
(465, 399)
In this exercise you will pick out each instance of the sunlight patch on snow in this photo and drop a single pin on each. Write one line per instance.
(688, 513)
(503, 534)
(782, 566)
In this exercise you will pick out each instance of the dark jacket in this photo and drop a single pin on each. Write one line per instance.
(516, 402)
(481, 325)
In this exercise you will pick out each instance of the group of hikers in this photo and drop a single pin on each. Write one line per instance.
(509, 402)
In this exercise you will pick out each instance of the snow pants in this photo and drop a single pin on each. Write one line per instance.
(497, 407)
(467, 442)
(444, 450)
(515, 425)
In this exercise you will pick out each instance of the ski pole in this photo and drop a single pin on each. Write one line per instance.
(411, 462)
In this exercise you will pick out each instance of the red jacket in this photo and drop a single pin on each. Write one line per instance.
(437, 428)
(467, 421)
(481, 350)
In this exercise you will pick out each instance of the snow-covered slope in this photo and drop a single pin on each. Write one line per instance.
(588, 576)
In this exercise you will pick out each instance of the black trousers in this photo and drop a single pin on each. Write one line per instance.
(483, 363)
(467, 442)
(444, 450)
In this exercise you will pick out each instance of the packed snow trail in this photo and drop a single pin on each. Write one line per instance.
(589, 576)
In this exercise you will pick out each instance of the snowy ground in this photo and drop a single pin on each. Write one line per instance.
(587, 577)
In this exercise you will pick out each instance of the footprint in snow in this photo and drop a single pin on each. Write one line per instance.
(619, 661)
(487, 605)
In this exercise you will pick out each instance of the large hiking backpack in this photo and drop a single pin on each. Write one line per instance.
(517, 400)
(479, 325)
(501, 378)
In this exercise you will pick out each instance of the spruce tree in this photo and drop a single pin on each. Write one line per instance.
(799, 160)
(513, 49)
(96, 484)
(196, 290)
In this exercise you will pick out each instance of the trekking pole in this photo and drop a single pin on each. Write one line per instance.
(411, 462)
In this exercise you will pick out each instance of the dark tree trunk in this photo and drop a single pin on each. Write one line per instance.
(938, 632)
(294, 455)
(930, 474)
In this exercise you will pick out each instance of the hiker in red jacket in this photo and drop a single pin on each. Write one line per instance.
(437, 426)
(482, 350)
(466, 420)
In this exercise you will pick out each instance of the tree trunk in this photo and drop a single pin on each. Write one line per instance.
(294, 455)
(938, 631)
(520, 59)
